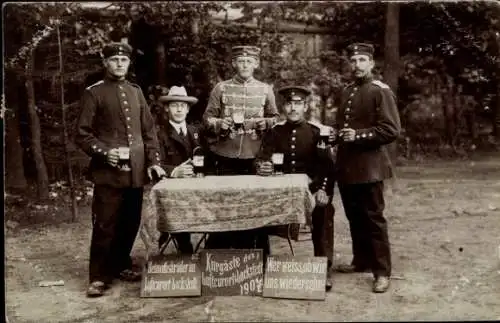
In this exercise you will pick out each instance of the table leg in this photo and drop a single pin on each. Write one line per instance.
(203, 238)
(290, 239)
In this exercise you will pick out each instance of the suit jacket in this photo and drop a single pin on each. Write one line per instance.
(113, 114)
(299, 144)
(175, 149)
(369, 107)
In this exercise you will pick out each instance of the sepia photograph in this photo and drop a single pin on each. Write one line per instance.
(251, 161)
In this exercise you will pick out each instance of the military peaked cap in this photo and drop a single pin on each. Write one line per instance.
(251, 51)
(116, 48)
(294, 93)
(360, 49)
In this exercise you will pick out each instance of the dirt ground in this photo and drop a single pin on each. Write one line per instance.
(445, 232)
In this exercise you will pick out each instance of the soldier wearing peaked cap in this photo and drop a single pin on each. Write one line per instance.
(116, 130)
(239, 111)
(367, 121)
(300, 143)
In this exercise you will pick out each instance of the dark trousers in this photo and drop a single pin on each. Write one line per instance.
(246, 239)
(322, 232)
(116, 217)
(364, 207)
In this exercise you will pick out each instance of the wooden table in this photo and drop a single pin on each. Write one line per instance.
(226, 203)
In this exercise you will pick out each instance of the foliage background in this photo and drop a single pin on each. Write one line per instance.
(449, 63)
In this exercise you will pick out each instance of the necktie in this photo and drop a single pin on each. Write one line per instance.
(181, 133)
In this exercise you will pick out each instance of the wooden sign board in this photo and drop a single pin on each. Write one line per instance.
(171, 275)
(232, 272)
(295, 277)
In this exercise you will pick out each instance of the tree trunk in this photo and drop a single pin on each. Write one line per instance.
(391, 66)
(74, 209)
(161, 63)
(14, 167)
(42, 177)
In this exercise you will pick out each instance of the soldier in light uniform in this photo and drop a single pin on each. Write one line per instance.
(116, 130)
(300, 143)
(233, 146)
(367, 121)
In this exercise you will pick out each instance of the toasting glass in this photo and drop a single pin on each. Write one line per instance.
(198, 162)
(277, 160)
(124, 159)
(238, 118)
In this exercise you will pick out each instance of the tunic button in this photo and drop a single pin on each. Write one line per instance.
(293, 162)
(292, 146)
(128, 126)
(346, 124)
(347, 110)
(99, 150)
(357, 136)
(125, 102)
(121, 87)
(370, 134)
(128, 118)
(294, 131)
(363, 135)
(349, 102)
(346, 116)
(94, 147)
(123, 94)
(126, 110)
(293, 138)
(293, 154)
(352, 94)
(355, 89)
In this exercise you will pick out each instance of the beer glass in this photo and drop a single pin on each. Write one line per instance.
(124, 159)
(277, 160)
(324, 135)
(198, 162)
(238, 118)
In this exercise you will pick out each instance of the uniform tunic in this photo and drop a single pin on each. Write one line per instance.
(369, 108)
(113, 114)
(257, 100)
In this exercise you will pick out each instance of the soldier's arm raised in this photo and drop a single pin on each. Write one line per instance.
(85, 136)
(387, 126)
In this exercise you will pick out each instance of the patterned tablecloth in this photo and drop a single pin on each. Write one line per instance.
(227, 203)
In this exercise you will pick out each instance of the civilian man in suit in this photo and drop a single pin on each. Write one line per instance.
(366, 122)
(178, 140)
(299, 142)
(116, 129)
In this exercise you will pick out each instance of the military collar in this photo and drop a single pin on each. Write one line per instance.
(363, 80)
(294, 125)
(110, 79)
(239, 80)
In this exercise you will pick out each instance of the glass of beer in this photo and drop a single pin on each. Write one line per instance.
(198, 162)
(238, 118)
(277, 160)
(324, 135)
(124, 159)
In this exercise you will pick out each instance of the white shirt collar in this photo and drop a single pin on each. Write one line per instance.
(179, 126)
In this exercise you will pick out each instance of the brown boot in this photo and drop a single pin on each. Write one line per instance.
(329, 280)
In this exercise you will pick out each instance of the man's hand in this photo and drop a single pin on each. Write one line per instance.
(261, 124)
(112, 157)
(183, 170)
(226, 123)
(333, 135)
(347, 134)
(265, 168)
(321, 198)
(156, 169)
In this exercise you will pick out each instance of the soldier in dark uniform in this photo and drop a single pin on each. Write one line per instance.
(303, 152)
(233, 146)
(116, 130)
(178, 140)
(366, 122)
